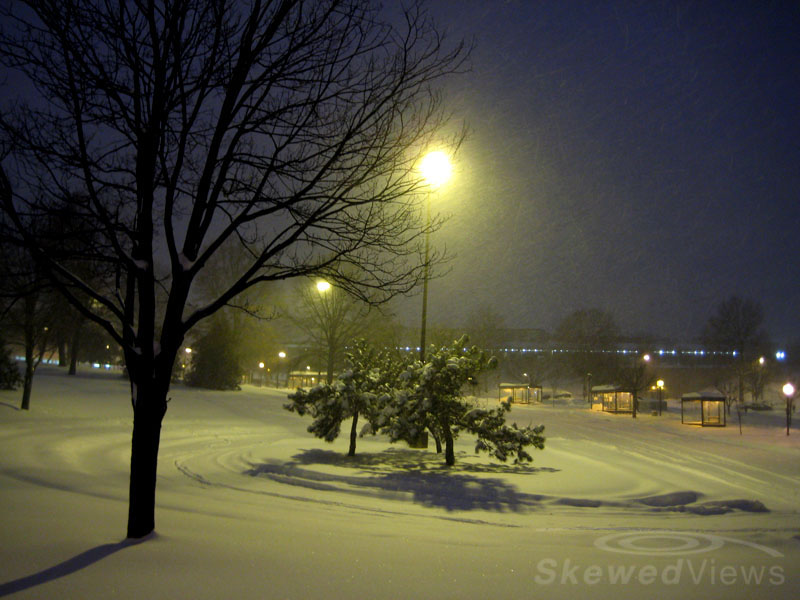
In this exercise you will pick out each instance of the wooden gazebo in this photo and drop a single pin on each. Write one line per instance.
(705, 408)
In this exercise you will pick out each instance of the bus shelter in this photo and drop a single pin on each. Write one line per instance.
(706, 408)
(612, 399)
(519, 393)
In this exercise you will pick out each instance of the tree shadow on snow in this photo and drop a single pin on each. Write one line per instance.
(68, 567)
(398, 473)
(393, 459)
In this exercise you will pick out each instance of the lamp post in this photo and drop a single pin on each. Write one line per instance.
(435, 168)
(330, 311)
(282, 355)
(788, 391)
(660, 387)
(186, 362)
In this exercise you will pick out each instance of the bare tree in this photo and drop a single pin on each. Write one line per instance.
(484, 326)
(28, 312)
(291, 126)
(588, 334)
(729, 388)
(331, 319)
(736, 326)
(635, 377)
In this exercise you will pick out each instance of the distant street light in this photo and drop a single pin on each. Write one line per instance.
(261, 373)
(436, 169)
(282, 355)
(188, 352)
(660, 387)
(788, 391)
(323, 286)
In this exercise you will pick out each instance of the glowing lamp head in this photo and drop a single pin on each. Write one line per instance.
(660, 384)
(261, 365)
(788, 390)
(323, 286)
(281, 354)
(435, 168)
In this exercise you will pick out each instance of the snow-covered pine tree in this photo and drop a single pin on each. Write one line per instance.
(360, 390)
(499, 439)
(430, 396)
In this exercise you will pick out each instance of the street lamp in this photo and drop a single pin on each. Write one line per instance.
(323, 286)
(436, 169)
(660, 387)
(788, 391)
(184, 363)
(282, 355)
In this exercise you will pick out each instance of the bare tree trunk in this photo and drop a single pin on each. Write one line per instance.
(739, 414)
(353, 429)
(27, 386)
(331, 363)
(30, 349)
(449, 452)
(437, 440)
(62, 351)
(150, 405)
(74, 347)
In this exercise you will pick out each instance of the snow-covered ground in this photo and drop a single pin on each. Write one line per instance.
(252, 506)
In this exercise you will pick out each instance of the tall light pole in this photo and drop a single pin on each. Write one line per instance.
(788, 391)
(435, 168)
(282, 356)
(329, 316)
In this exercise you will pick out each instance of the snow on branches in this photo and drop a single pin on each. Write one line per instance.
(361, 389)
(404, 398)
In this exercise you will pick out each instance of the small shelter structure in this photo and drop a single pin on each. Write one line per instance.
(519, 393)
(305, 379)
(705, 408)
(611, 398)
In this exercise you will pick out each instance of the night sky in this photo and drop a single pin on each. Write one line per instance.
(640, 157)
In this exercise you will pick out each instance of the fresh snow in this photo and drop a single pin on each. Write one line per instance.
(249, 505)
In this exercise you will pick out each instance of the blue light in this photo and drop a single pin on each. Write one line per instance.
(780, 355)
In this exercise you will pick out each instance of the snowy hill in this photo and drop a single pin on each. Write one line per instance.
(249, 505)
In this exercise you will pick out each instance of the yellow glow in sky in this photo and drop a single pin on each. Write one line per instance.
(435, 168)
